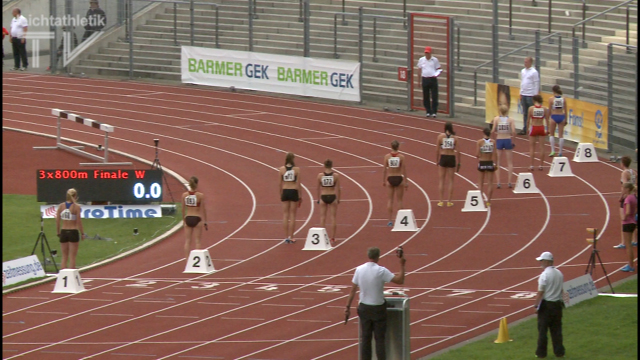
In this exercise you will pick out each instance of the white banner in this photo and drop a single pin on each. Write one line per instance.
(578, 289)
(325, 78)
(22, 269)
(108, 211)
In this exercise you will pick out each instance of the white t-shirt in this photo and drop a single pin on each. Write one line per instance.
(370, 278)
(429, 67)
(17, 26)
(550, 281)
(529, 81)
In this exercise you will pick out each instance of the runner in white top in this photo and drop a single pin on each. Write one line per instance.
(486, 154)
(558, 110)
(505, 129)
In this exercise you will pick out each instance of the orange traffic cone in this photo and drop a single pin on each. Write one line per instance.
(503, 333)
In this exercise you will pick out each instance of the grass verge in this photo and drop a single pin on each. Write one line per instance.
(21, 227)
(596, 329)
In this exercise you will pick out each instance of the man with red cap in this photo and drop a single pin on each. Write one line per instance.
(429, 70)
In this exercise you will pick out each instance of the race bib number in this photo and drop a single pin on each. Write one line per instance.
(447, 143)
(486, 148)
(538, 113)
(327, 181)
(66, 215)
(394, 162)
(289, 175)
(191, 200)
(503, 127)
(558, 103)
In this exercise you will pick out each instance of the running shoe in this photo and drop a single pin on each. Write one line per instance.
(560, 154)
(434, 115)
(488, 204)
(540, 168)
(627, 268)
(449, 204)
(428, 115)
(390, 223)
(530, 168)
(499, 186)
(552, 154)
(287, 241)
(333, 241)
(441, 204)
(634, 243)
(510, 185)
(620, 246)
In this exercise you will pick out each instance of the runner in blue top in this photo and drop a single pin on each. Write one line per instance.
(558, 110)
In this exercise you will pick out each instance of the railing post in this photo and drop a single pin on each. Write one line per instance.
(360, 45)
(404, 13)
(344, 21)
(559, 51)
(537, 51)
(584, 25)
(458, 46)
(610, 92)
(475, 87)
(251, 25)
(255, 9)
(549, 18)
(628, 27)
(375, 59)
(335, 36)
(191, 22)
(217, 27)
(494, 36)
(53, 42)
(130, 33)
(306, 29)
(409, 65)
(451, 99)
(576, 68)
(300, 18)
(511, 37)
(175, 23)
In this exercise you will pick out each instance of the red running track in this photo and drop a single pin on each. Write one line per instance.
(269, 300)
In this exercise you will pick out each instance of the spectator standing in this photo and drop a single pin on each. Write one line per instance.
(529, 86)
(372, 308)
(18, 34)
(429, 71)
(549, 306)
(96, 19)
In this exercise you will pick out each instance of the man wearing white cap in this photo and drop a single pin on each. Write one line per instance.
(429, 70)
(549, 306)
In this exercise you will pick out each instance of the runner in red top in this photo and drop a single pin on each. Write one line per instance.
(538, 120)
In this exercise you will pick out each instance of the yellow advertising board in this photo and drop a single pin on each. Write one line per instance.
(587, 122)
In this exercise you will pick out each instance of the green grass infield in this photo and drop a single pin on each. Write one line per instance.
(603, 328)
(21, 228)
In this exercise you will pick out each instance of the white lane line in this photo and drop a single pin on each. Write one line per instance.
(481, 312)
(48, 312)
(26, 298)
(446, 326)
(217, 303)
(284, 305)
(112, 293)
(238, 318)
(82, 299)
(111, 314)
(313, 321)
(178, 316)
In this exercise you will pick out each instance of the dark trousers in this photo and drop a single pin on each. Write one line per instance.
(430, 94)
(527, 102)
(373, 321)
(19, 52)
(550, 318)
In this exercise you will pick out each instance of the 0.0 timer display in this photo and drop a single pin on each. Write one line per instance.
(116, 186)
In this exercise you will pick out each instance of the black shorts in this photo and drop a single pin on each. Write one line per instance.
(70, 235)
(486, 166)
(628, 228)
(289, 195)
(395, 181)
(448, 161)
(192, 221)
(328, 199)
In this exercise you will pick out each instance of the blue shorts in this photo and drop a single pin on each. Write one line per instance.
(504, 144)
(558, 118)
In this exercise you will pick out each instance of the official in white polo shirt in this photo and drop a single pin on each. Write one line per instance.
(529, 87)
(372, 309)
(549, 306)
(429, 71)
(18, 34)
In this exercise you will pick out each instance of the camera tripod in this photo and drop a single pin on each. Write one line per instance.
(42, 239)
(156, 165)
(596, 254)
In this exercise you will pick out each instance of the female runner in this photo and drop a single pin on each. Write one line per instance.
(289, 195)
(558, 110)
(193, 212)
(505, 129)
(629, 222)
(448, 158)
(487, 156)
(627, 175)
(329, 197)
(538, 120)
(395, 173)
(69, 215)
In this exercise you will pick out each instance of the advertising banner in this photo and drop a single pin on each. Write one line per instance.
(324, 78)
(22, 269)
(578, 289)
(586, 123)
(108, 211)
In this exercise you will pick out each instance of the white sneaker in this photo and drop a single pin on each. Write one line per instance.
(433, 115)
(428, 115)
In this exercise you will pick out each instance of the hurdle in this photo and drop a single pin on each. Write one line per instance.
(61, 114)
